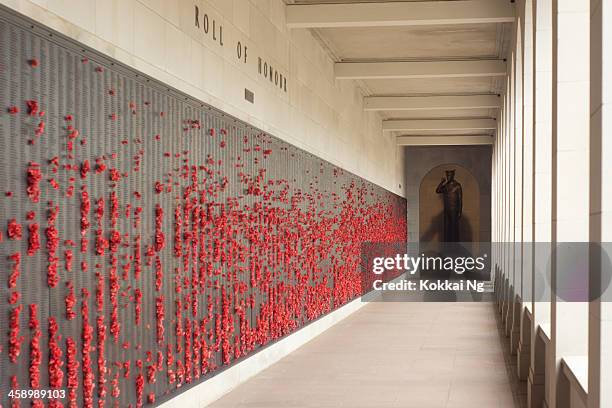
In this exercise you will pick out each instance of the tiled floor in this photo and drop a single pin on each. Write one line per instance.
(421, 355)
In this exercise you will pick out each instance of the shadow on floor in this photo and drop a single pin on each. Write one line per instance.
(519, 388)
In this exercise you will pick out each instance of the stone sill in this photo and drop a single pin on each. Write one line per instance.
(576, 369)
(544, 331)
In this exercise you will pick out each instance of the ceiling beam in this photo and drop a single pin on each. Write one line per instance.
(419, 69)
(399, 13)
(416, 103)
(452, 140)
(438, 124)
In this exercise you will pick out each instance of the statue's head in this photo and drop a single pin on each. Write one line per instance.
(450, 174)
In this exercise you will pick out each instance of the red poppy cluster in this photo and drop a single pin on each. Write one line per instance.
(15, 258)
(68, 256)
(33, 239)
(137, 305)
(72, 371)
(15, 338)
(86, 347)
(114, 287)
(52, 236)
(34, 175)
(56, 374)
(35, 354)
(70, 301)
(85, 206)
(13, 230)
(102, 368)
(139, 384)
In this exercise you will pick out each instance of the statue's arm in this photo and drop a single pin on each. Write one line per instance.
(440, 188)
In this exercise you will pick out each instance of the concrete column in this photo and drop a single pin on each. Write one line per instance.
(503, 207)
(542, 179)
(511, 144)
(500, 205)
(506, 203)
(518, 192)
(600, 224)
(570, 166)
(524, 345)
(507, 196)
(514, 137)
(495, 203)
(501, 194)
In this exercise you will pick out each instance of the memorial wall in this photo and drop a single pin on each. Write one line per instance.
(149, 240)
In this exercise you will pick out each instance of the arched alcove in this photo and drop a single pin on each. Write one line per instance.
(431, 206)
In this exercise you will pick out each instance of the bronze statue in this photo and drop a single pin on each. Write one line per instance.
(453, 205)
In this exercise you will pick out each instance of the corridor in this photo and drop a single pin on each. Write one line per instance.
(392, 354)
(198, 194)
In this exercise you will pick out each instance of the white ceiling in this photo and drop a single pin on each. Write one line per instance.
(438, 42)
(438, 113)
(413, 42)
(437, 86)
